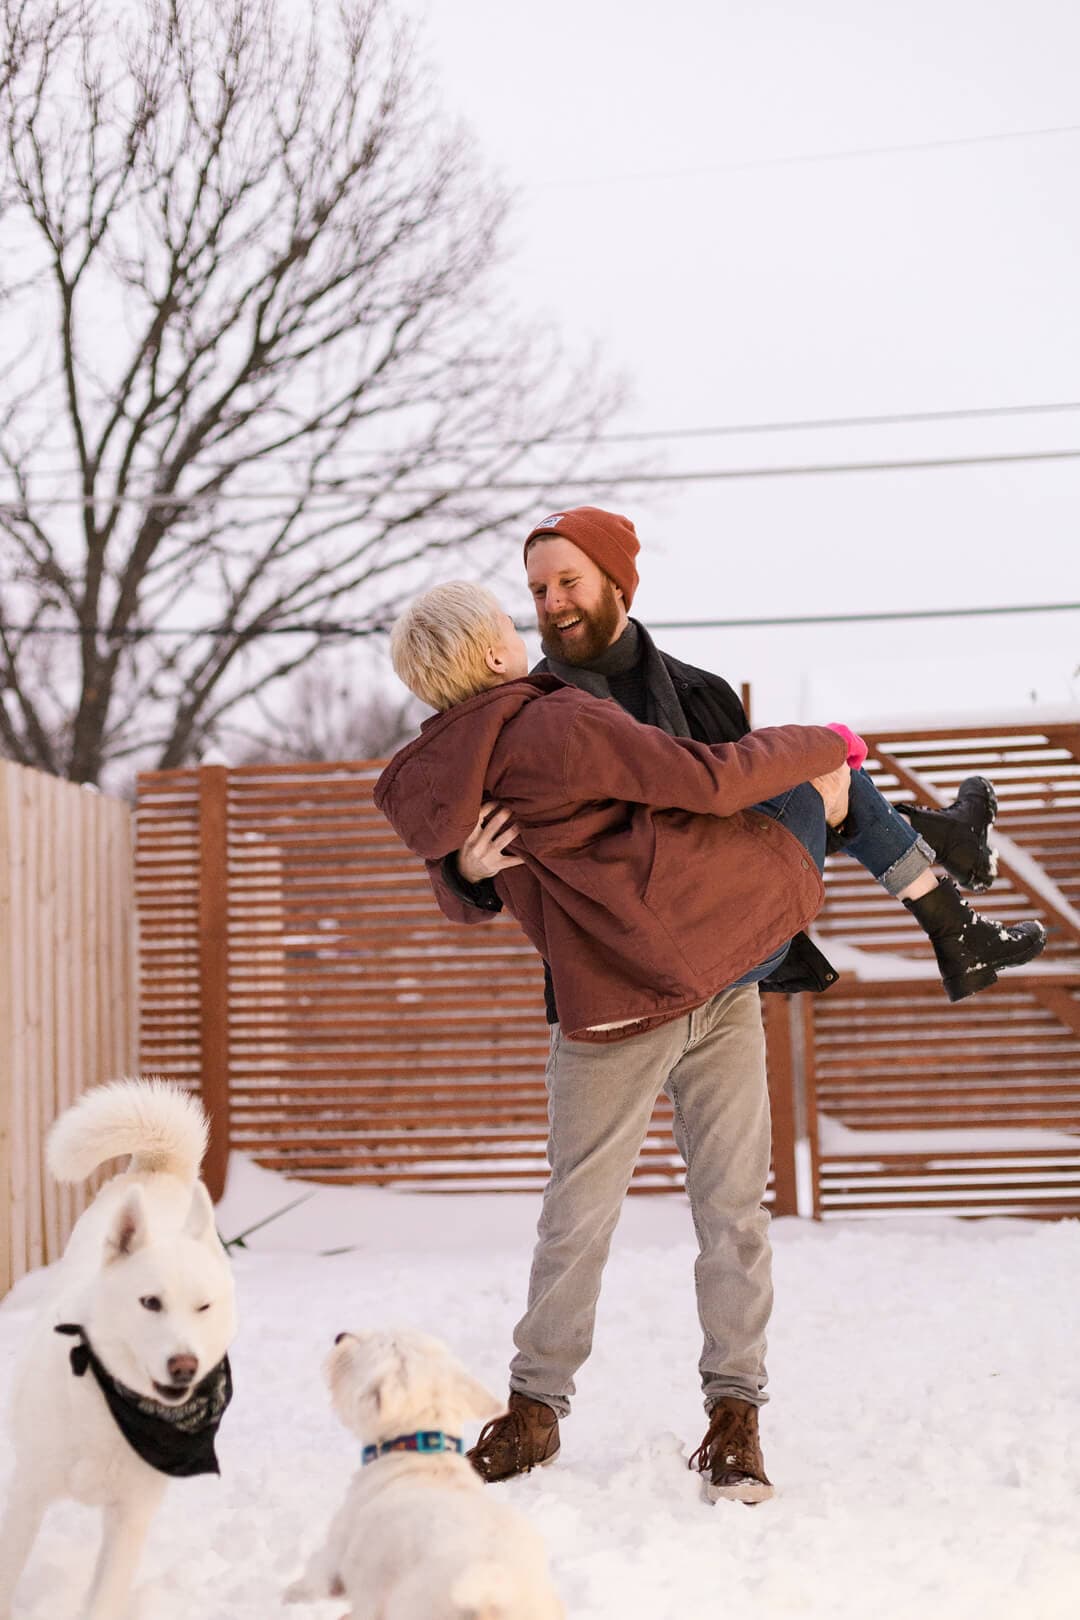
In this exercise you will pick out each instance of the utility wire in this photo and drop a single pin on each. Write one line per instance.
(843, 155)
(863, 618)
(353, 632)
(811, 424)
(814, 424)
(317, 500)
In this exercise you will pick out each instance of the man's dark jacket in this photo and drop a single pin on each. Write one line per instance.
(714, 715)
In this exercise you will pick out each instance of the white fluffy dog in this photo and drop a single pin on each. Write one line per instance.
(418, 1536)
(125, 1377)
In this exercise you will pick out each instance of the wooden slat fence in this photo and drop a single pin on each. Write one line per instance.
(296, 967)
(68, 989)
(973, 1108)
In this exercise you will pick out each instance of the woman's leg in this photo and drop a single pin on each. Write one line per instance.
(881, 840)
(802, 812)
(970, 949)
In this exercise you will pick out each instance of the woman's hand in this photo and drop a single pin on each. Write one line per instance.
(834, 789)
(481, 855)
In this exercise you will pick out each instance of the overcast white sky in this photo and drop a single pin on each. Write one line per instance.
(653, 217)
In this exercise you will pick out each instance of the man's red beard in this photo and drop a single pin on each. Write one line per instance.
(594, 635)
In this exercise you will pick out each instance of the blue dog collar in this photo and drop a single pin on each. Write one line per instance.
(427, 1440)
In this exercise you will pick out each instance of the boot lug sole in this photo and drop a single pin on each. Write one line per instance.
(750, 1492)
(987, 789)
(500, 1479)
(981, 877)
(969, 984)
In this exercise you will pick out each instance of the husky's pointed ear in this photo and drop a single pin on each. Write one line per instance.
(479, 1402)
(200, 1217)
(127, 1230)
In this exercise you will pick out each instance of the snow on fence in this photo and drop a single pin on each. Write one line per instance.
(68, 988)
(975, 1109)
(296, 967)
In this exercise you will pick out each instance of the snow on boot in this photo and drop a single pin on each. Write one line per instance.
(957, 833)
(970, 949)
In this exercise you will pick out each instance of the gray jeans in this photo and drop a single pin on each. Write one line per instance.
(711, 1063)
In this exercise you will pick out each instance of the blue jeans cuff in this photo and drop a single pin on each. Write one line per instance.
(912, 864)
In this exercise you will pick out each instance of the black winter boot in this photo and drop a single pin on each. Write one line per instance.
(971, 949)
(957, 834)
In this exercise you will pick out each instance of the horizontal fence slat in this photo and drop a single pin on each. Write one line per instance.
(358, 1014)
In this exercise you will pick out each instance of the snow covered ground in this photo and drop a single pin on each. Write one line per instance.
(924, 1431)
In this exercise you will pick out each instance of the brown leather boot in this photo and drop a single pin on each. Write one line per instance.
(729, 1458)
(526, 1436)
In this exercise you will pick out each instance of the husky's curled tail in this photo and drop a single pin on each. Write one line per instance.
(163, 1129)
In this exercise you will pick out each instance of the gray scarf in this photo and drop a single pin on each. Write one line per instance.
(633, 646)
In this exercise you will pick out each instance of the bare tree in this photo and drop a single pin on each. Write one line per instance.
(27, 30)
(255, 380)
(334, 708)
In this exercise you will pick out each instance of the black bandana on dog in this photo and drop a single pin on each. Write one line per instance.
(176, 1440)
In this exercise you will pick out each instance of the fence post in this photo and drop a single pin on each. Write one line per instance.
(214, 967)
(777, 1010)
(809, 1070)
(744, 697)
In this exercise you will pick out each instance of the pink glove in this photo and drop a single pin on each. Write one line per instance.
(856, 748)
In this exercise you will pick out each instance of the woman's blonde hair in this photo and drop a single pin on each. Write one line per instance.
(438, 645)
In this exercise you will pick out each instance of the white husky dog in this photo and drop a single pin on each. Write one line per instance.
(125, 1376)
(418, 1536)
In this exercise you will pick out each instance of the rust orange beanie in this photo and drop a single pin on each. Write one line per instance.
(610, 540)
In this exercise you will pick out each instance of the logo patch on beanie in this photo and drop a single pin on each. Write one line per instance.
(553, 521)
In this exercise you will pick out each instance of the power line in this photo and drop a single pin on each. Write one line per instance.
(318, 500)
(815, 424)
(212, 633)
(811, 424)
(863, 618)
(794, 160)
(351, 632)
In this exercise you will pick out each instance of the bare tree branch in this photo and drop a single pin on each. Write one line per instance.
(339, 709)
(247, 254)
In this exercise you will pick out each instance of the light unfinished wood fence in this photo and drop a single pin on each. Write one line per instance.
(68, 989)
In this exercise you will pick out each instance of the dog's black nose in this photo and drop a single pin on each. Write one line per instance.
(340, 1337)
(182, 1369)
